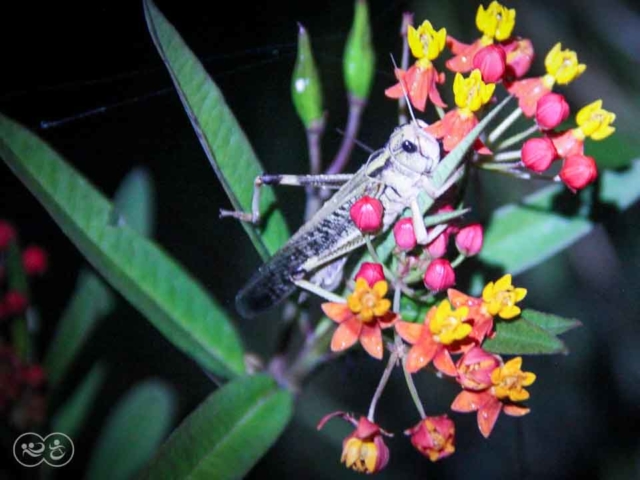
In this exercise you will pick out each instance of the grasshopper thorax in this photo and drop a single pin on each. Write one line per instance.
(413, 148)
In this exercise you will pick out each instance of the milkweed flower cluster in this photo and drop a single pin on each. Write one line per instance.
(455, 333)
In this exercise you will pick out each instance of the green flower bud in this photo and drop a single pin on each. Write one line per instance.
(359, 58)
(306, 90)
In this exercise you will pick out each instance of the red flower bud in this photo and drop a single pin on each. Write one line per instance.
(578, 171)
(438, 246)
(434, 437)
(490, 60)
(371, 272)
(439, 275)
(32, 375)
(469, 240)
(551, 110)
(538, 153)
(366, 213)
(404, 234)
(14, 303)
(475, 368)
(34, 260)
(7, 234)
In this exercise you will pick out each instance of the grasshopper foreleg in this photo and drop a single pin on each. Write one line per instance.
(319, 181)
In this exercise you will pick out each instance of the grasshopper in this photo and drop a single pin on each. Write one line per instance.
(410, 163)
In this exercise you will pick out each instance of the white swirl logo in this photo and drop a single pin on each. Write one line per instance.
(30, 449)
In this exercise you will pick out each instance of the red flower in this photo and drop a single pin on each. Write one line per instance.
(443, 330)
(439, 275)
(475, 368)
(482, 319)
(434, 437)
(464, 53)
(371, 272)
(361, 318)
(364, 449)
(551, 110)
(14, 303)
(366, 213)
(568, 142)
(490, 60)
(404, 235)
(420, 83)
(35, 260)
(538, 153)
(7, 234)
(453, 127)
(578, 171)
(519, 55)
(469, 240)
(528, 92)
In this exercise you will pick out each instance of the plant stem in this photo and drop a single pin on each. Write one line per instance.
(314, 135)
(356, 106)
(506, 123)
(506, 156)
(407, 376)
(393, 358)
(517, 137)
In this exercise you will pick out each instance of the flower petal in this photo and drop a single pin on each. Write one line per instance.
(420, 355)
(467, 401)
(371, 340)
(410, 332)
(338, 312)
(346, 334)
(516, 410)
(488, 415)
(442, 361)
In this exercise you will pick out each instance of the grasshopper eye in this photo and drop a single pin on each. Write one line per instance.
(409, 147)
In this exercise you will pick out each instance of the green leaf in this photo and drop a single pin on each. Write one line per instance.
(91, 301)
(521, 236)
(133, 431)
(520, 337)
(146, 276)
(72, 415)
(621, 188)
(617, 151)
(222, 138)
(17, 281)
(135, 201)
(227, 434)
(551, 323)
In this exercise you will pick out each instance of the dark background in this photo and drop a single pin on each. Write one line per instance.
(64, 59)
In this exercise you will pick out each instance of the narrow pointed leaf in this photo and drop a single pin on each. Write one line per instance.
(222, 138)
(133, 431)
(227, 434)
(551, 323)
(520, 337)
(91, 301)
(17, 281)
(146, 276)
(72, 415)
(135, 201)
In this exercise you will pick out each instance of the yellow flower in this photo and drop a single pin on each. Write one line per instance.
(448, 325)
(509, 381)
(369, 302)
(595, 122)
(501, 298)
(425, 42)
(496, 22)
(563, 65)
(472, 93)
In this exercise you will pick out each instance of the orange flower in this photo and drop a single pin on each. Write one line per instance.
(508, 382)
(482, 319)
(361, 318)
(434, 437)
(420, 83)
(443, 331)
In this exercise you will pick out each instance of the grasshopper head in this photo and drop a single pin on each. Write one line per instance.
(414, 148)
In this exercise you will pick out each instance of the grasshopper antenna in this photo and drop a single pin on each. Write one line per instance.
(404, 91)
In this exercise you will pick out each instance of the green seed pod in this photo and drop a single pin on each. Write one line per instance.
(306, 90)
(359, 58)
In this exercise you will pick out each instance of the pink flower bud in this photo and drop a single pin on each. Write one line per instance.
(439, 275)
(14, 303)
(438, 247)
(474, 369)
(490, 60)
(34, 260)
(551, 110)
(366, 213)
(469, 240)
(434, 437)
(538, 153)
(404, 234)
(371, 272)
(7, 234)
(578, 171)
